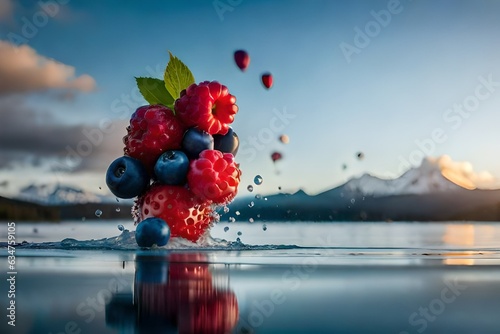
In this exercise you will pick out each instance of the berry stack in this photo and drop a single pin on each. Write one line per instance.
(179, 156)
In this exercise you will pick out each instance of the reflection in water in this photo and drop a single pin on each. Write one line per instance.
(460, 235)
(174, 293)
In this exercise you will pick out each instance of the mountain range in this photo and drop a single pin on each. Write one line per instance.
(428, 192)
(56, 202)
(423, 193)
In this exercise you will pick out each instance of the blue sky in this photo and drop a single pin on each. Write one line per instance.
(386, 100)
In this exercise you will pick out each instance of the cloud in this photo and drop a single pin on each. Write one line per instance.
(23, 70)
(35, 138)
(463, 174)
(6, 10)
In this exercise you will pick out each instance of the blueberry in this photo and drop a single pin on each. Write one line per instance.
(152, 231)
(127, 177)
(227, 143)
(195, 141)
(172, 167)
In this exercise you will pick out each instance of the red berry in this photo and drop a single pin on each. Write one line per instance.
(207, 105)
(214, 176)
(267, 80)
(242, 59)
(186, 215)
(153, 130)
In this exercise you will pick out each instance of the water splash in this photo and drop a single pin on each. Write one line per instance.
(121, 228)
(231, 219)
(98, 213)
(251, 204)
(258, 180)
(126, 242)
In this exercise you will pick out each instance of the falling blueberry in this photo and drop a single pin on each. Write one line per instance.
(152, 231)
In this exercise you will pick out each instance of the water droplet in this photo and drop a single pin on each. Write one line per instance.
(279, 188)
(117, 209)
(265, 198)
(121, 228)
(98, 213)
(100, 188)
(264, 227)
(251, 220)
(117, 200)
(258, 215)
(258, 196)
(226, 229)
(250, 188)
(353, 200)
(237, 213)
(239, 233)
(258, 180)
(251, 204)
(231, 219)
(238, 240)
(226, 209)
(83, 219)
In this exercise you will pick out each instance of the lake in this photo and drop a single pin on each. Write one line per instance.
(400, 278)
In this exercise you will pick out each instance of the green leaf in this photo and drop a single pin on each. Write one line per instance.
(177, 77)
(154, 91)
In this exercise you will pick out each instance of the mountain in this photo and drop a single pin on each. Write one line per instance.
(61, 202)
(58, 194)
(421, 194)
(427, 178)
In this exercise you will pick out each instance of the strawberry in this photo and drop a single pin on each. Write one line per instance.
(153, 130)
(267, 80)
(186, 215)
(207, 105)
(242, 59)
(214, 176)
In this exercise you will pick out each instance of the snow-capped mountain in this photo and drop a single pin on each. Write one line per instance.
(425, 179)
(438, 189)
(58, 194)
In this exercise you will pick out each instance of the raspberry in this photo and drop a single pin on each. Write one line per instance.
(214, 176)
(207, 105)
(153, 130)
(186, 215)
